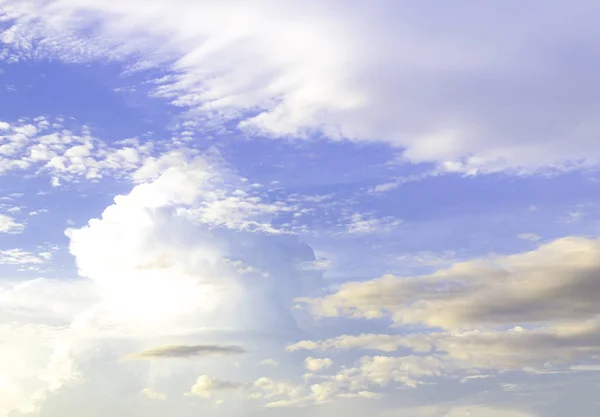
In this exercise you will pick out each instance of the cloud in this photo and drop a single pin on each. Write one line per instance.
(529, 236)
(427, 258)
(474, 410)
(531, 311)
(186, 264)
(151, 275)
(383, 342)
(44, 302)
(359, 224)
(269, 362)
(514, 349)
(50, 148)
(586, 368)
(277, 393)
(19, 257)
(9, 225)
(188, 351)
(382, 370)
(553, 283)
(153, 395)
(321, 264)
(446, 100)
(317, 364)
(206, 386)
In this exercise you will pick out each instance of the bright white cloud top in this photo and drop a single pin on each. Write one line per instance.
(299, 208)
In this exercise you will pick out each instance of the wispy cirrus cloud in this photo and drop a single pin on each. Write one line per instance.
(227, 62)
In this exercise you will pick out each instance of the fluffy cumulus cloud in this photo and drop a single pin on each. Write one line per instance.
(169, 252)
(156, 278)
(55, 149)
(436, 81)
(154, 395)
(205, 386)
(316, 364)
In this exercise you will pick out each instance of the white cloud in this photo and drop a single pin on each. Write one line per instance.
(382, 370)
(317, 364)
(184, 264)
(276, 392)
(149, 276)
(38, 212)
(10, 225)
(360, 224)
(269, 362)
(65, 155)
(206, 386)
(153, 395)
(19, 257)
(383, 342)
(532, 237)
(35, 364)
(446, 99)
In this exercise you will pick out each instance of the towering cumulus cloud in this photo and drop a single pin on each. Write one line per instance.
(160, 266)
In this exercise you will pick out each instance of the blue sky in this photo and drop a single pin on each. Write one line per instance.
(299, 208)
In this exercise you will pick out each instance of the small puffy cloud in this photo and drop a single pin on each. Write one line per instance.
(382, 370)
(188, 351)
(10, 225)
(206, 386)
(276, 393)
(153, 395)
(317, 364)
(66, 155)
(269, 362)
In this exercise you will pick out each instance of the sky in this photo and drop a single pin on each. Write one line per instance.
(299, 208)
